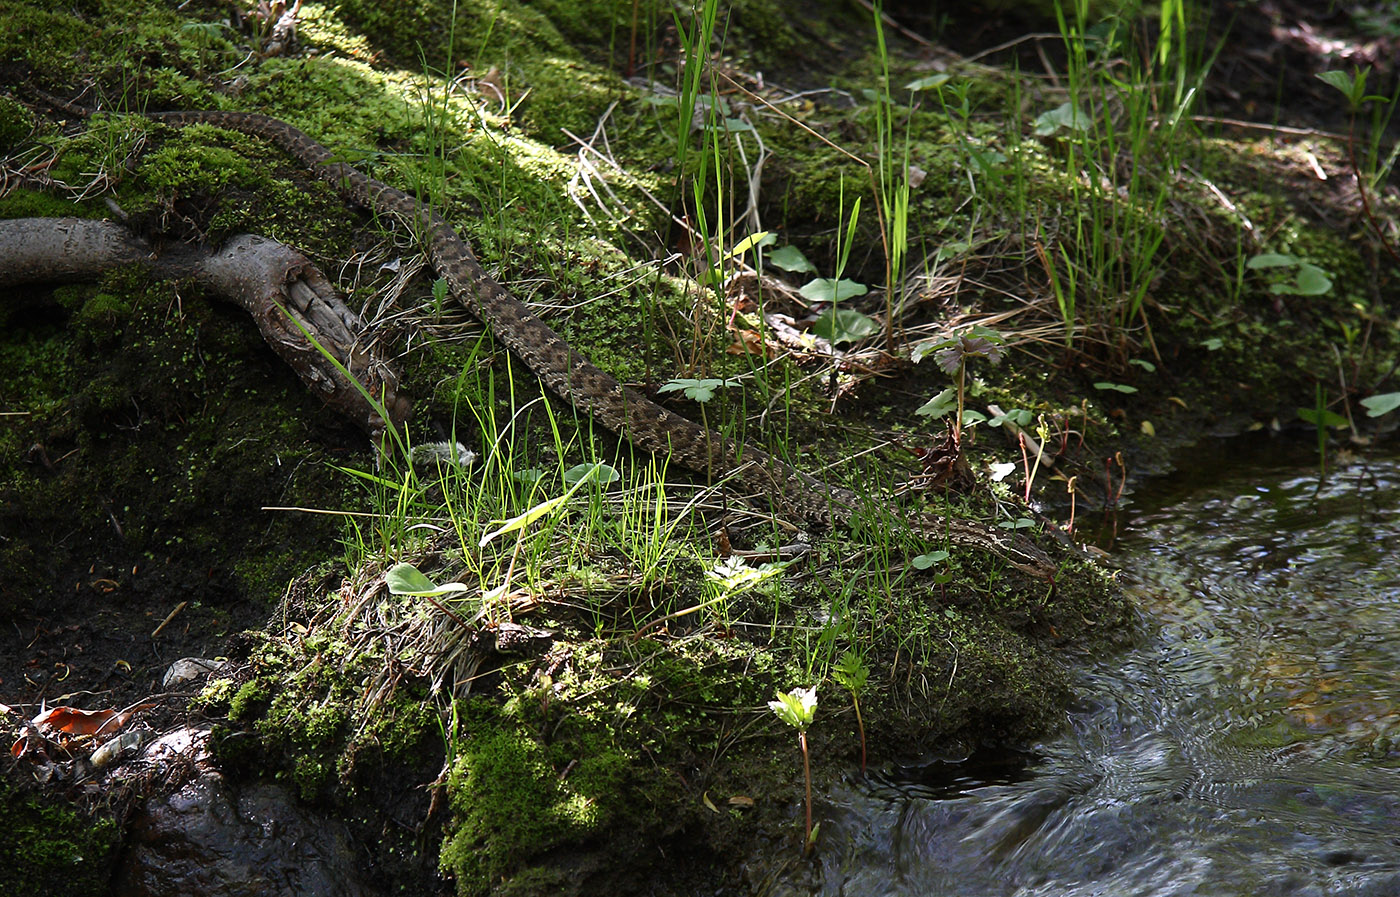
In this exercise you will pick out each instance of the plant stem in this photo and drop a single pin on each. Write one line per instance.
(860, 724)
(1361, 189)
(957, 422)
(807, 775)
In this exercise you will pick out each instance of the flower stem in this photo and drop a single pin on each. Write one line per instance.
(807, 775)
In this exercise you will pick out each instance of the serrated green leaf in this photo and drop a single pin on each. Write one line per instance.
(851, 672)
(922, 348)
(697, 390)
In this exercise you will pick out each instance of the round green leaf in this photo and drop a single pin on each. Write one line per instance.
(790, 258)
(1312, 281)
(1382, 404)
(845, 325)
(825, 289)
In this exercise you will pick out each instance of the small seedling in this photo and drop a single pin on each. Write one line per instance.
(697, 390)
(797, 708)
(1289, 276)
(838, 324)
(952, 356)
(1322, 417)
(1353, 86)
(851, 673)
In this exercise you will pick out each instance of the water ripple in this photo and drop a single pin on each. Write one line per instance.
(1251, 747)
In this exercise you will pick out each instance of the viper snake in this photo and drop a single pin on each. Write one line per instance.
(566, 372)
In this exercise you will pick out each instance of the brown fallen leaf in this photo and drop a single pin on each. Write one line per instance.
(72, 721)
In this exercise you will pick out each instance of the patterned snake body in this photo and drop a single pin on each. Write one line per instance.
(574, 378)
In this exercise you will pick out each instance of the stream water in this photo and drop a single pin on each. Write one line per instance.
(1250, 745)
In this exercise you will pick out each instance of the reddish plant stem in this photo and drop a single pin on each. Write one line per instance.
(807, 775)
(1365, 199)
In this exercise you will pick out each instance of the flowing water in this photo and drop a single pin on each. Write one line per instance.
(1249, 746)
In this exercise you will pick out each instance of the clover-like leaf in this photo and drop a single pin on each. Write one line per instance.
(1066, 115)
(1018, 416)
(697, 390)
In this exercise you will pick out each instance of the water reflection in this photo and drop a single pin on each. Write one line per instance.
(1250, 747)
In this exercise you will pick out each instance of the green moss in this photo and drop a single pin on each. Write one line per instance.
(50, 848)
(23, 203)
(511, 804)
(546, 771)
(187, 165)
(15, 124)
(548, 84)
(250, 701)
(43, 40)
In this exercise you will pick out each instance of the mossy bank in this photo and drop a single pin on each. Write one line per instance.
(590, 706)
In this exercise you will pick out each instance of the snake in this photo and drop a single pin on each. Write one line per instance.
(570, 375)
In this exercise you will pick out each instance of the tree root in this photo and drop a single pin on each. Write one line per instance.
(296, 309)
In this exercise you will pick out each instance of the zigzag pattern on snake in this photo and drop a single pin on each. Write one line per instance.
(574, 378)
